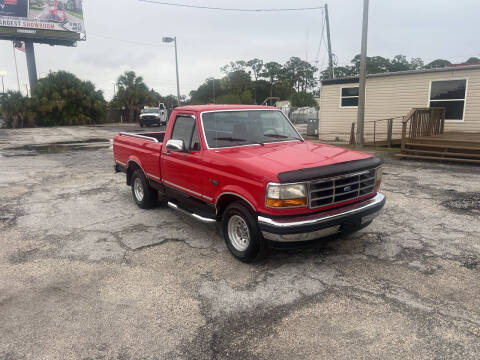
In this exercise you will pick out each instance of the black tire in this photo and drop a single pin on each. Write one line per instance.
(141, 125)
(150, 195)
(255, 248)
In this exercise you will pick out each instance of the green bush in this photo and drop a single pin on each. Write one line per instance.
(15, 110)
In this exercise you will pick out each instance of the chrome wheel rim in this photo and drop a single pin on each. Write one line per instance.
(138, 189)
(238, 233)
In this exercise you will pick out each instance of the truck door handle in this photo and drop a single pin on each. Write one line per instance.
(166, 153)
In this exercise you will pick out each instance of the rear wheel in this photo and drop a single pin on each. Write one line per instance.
(242, 234)
(143, 194)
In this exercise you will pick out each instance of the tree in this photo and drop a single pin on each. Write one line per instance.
(256, 65)
(439, 63)
(473, 60)
(205, 92)
(133, 94)
(299, 74)
(272, 71)
(303, 99)
(238, 81)
(416, 64)
(61, 98)
(14, 108)
(234, 66)
(170, 101)
(244, 97)
(375, 65)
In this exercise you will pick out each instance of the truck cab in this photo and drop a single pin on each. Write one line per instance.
(248, 168)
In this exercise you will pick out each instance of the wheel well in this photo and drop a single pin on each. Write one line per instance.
(132, 166)
(227, 199)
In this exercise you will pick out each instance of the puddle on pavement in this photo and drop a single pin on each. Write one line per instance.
(58, 147)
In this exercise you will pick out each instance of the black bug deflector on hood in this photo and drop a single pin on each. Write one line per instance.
(329, 170)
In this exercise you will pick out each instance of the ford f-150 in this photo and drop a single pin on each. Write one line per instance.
(249, 169)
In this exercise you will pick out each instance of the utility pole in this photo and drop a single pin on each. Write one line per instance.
(31, 66)
(363, 71)
(114, 91)
(329, 44)
(16, 67)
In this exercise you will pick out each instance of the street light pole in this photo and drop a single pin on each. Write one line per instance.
(174, 40)
(176, 66)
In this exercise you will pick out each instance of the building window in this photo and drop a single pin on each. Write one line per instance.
(349, 96)
(449, 94)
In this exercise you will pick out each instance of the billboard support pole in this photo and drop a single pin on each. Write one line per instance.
(31, 66)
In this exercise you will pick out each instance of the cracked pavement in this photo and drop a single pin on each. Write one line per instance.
(86, 274)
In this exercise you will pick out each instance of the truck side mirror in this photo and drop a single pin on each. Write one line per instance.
(176, 145)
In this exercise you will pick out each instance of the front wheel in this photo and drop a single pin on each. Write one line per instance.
(144, 195)
(242, 234)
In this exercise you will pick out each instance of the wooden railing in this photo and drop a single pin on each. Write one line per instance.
(375, 133)
(422, 122)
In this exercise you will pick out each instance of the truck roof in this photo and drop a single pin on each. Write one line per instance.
(217, 107)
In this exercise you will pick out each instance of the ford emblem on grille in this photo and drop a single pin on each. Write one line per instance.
(347, 188)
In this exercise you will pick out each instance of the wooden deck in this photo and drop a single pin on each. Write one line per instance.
(449, 146)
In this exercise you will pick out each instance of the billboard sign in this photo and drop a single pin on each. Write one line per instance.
(47, 21)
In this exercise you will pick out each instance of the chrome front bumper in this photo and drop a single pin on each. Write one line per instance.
(315, 226)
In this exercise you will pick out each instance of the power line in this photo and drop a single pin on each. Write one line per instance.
(230, 9)
(317, 57)
(125, 41)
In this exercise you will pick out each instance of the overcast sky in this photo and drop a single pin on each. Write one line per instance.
(208, 39)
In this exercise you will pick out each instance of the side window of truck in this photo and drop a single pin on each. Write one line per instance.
(185, 129)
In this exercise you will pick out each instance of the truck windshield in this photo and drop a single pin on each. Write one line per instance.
(150, 111)
(236, 128)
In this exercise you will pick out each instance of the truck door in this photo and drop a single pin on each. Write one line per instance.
(182, 170)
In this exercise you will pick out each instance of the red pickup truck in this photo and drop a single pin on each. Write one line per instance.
(247, 167)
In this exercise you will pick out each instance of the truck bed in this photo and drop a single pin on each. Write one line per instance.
(141, 148)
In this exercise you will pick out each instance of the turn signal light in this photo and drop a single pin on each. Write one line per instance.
(378, 177)
(286, 202)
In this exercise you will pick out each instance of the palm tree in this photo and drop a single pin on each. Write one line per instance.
(132, 93)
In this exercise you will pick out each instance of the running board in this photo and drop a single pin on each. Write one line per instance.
(195, 216)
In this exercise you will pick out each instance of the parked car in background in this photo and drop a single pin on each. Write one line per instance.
(150, 116)
(247, 167)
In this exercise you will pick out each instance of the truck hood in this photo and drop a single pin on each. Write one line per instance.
(272, 159)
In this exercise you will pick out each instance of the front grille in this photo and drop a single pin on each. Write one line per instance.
(341, 188)
(148, 118)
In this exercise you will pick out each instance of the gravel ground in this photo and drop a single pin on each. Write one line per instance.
(85, 274)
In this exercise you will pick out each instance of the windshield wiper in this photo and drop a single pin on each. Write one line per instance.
(229, 138)
(279, 136)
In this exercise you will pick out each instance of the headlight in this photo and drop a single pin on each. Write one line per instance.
(288, 195)
(378, 177)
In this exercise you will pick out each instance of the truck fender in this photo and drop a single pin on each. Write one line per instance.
(133, 164)
(228, 194)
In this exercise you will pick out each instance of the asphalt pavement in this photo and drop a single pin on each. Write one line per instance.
(86, 274)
